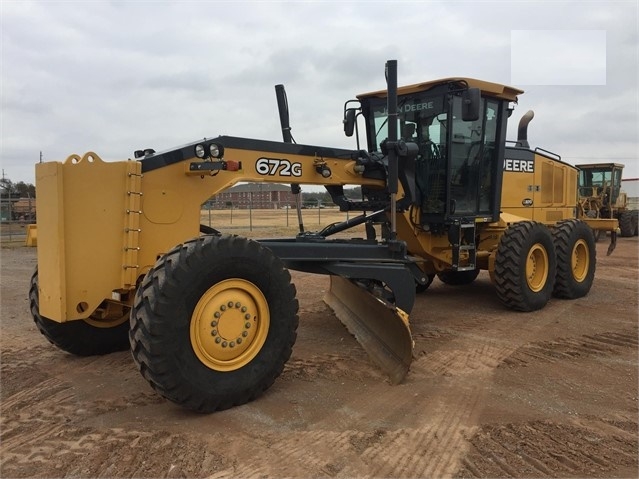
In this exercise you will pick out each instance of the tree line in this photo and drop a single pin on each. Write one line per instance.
(17, 190)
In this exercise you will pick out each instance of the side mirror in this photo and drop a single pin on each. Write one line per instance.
(349, 121)
(471, 100)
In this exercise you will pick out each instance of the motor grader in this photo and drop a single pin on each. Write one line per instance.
(211, 319)
(600, 196)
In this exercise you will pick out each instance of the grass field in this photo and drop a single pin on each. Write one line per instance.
(274, 223)
(267, 223)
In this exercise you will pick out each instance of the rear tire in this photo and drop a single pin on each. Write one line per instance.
(79, 337)
(458, 278)
(628, 223)
(525, 266)
(214, 322)
(576, 259)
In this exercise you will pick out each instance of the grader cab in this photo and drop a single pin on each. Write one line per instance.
(211, 319)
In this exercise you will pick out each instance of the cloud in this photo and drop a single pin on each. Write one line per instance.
(118, 76)
(558, 57)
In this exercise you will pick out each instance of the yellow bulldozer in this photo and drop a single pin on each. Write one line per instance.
(211, 318)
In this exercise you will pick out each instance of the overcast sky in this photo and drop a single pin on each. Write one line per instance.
(113, 77)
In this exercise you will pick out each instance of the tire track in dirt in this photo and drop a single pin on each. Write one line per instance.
(333, 454)
(42, 424)
(546, 449)
(111, 452)
(326, 366)
(19, 370)
(436, 447)
(481, 358)
(398, 442)
(601, 345)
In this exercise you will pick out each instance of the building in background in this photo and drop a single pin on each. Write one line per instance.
(255, 196)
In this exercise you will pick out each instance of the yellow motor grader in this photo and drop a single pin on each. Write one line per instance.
(600, 196)
(211, 319)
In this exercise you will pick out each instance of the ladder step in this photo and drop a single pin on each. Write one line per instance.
(470, 267)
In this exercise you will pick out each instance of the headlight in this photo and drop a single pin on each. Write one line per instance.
(200, 152)
(216, 150)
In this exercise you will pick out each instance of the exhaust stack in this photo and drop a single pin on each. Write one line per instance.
(522, 133)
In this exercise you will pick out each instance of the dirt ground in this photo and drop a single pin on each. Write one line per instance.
(491, 393)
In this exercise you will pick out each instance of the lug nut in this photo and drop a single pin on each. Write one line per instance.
(247, 325)
(214, 332)
(230, 303)
(245, 333)
(243, 309)
(237, 305)
(225, 344)
(213, 324)
(223, 307)
(239, 340)
(217, 315)
(232, 344)
(218, 340)
(247, 316)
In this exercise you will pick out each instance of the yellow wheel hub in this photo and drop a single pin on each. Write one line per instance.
(580, 260)
(229, 324)
(537, 267)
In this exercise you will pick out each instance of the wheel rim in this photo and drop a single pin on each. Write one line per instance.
(229, 324)
(580, 261)
(537, 267)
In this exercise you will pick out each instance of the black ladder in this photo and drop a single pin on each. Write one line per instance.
(463, 239)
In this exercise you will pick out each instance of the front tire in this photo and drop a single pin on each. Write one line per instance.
(576, 259)
(525, 266)
(214, 322)
(90, 337)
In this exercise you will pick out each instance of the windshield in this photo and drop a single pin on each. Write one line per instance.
(596, 182)
(456, 159)
(419, 120)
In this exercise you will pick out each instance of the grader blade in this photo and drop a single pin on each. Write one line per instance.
(381, 329)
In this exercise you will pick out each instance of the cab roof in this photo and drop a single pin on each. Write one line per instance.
(492, 89)
(599, 166)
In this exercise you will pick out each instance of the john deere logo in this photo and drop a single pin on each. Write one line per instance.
(527, 202)
(522, 166)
